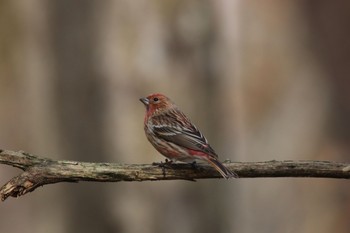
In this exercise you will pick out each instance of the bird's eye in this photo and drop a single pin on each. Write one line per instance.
(155, 99)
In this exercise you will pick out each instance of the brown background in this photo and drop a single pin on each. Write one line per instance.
(263, 80)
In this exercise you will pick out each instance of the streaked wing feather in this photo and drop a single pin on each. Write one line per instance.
(187, 136)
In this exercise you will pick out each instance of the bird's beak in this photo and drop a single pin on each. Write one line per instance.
(145, 101)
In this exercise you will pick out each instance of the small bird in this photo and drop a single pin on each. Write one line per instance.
(171, 132)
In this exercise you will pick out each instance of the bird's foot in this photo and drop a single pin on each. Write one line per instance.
(194, 165)
(162, 164)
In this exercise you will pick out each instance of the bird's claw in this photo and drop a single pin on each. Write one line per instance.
(162, 164)
(194, 165)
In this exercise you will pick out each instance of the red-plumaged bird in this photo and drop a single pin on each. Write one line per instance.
(171, 132)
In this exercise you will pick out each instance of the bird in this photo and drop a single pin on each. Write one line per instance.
(173, 135)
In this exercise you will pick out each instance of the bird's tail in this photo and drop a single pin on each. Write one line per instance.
(224, 171)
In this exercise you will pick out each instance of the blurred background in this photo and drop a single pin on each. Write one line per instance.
(263, 80)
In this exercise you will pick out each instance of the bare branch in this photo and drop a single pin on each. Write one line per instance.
(39, 171)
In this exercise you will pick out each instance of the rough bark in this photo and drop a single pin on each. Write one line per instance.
(39, 171)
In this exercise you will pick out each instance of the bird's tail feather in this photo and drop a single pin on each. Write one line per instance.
(224, 171)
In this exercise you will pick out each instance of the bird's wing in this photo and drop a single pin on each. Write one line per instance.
(175, 127)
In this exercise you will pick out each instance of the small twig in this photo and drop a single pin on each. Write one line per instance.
(39, 171)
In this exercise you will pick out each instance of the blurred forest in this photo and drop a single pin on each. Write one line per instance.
(263, 80)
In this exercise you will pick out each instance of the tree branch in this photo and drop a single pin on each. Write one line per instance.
(39, 171)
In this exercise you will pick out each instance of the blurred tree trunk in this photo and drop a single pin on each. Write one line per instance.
(79, 97)
(328, 23)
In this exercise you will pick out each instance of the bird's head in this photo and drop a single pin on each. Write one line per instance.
(156, 103)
